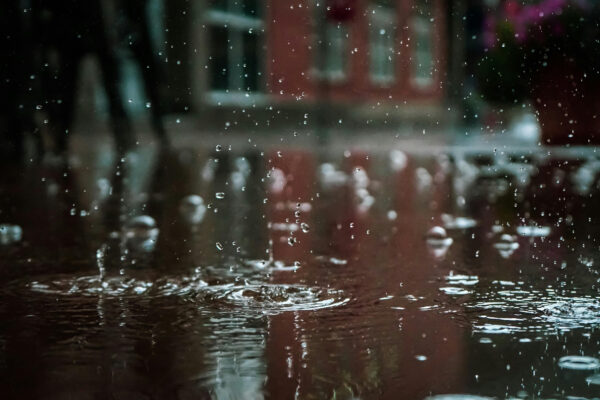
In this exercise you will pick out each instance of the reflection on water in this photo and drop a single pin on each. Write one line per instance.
(280, 273)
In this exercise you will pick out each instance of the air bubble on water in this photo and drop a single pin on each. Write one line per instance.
(220, 195)
(219, 246)
(304, 226)
(586, 261)
(579, 363)
(10, 234)
(277, 180)
(141, 233)
(192, 209)
(398, 160)
(438, 241)
(506, 245)
(331, 177)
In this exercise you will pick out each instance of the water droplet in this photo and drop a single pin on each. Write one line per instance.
(304, 226)
(219, 246)
(220, 195)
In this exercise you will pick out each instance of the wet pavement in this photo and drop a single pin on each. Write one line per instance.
(250, 272)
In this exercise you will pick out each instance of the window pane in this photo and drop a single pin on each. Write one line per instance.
(218, 5)
(219, 60)
(251, 8)
(250, 64)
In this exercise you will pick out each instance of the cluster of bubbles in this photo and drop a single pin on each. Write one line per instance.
(439, 242)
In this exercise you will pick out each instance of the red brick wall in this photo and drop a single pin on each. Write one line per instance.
(291, 47)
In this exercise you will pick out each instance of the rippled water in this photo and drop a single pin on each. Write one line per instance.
(282, 274)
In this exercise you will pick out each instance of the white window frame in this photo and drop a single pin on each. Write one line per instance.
(382, 39)
(422, 28)
(236, 23)
(337, 41)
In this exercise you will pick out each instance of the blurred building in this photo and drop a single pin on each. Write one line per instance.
(304, 63)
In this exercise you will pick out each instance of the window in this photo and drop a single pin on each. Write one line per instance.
(332, 46)
(382, 34)
(422, 61)
(235, 31)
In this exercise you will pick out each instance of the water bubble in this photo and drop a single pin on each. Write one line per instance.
(219, 246)
(277, 180)
(506, 245)
(304, 226)
(392, 215)
(398, 160)
(193, 209)
(438, 241)
(141, 233)
(220, 195)
(10, 234)
(579, 363)
(421, 357)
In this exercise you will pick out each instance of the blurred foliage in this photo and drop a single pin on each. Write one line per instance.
(526, 42)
